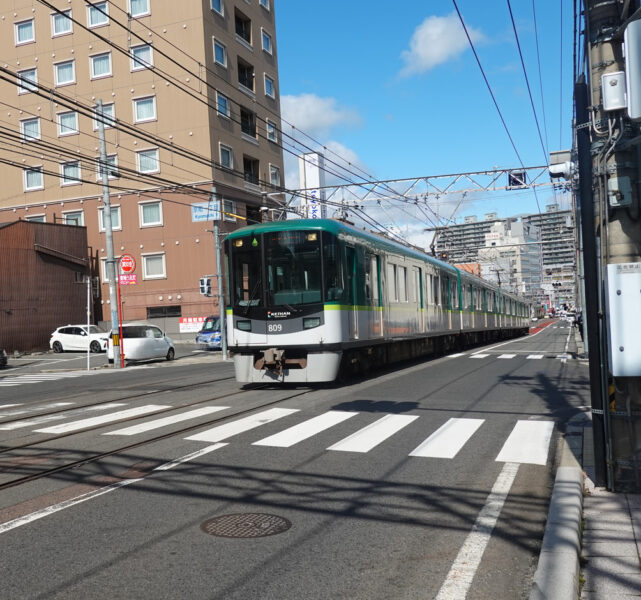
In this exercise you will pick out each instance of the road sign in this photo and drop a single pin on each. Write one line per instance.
(128, 279)
(127, 263)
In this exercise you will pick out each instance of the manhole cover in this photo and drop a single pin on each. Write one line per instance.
(245, 525)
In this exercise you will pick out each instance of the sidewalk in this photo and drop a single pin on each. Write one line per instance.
(592, 544)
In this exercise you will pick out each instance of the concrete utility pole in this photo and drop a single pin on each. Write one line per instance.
(109, 239)
(609, 152)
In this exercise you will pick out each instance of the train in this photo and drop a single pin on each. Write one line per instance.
(308, 300)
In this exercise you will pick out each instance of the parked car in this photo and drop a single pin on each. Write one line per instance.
(141, 341)
(3, 358)
(208, 338)
(76, 337)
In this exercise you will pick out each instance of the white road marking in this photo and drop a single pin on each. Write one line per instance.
(222, 432)
(28, 409)
(49, 510)
(93, 421)
(459, 579)
(507, 355)
(528, 443)
(455, 355)
(188, 457)
(448, 439)
(371, 436)
(8, 405)
(479, 355)
(157, 423)
(535, 356)
(35, 421)
(306, 429)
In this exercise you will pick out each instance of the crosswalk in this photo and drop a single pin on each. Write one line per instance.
(16, 380)
(480, 355)
(528, 441)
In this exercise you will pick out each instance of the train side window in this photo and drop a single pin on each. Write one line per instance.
(454, 294)
(436, 289)
(371, 279)
(401, 273)
(392, 287)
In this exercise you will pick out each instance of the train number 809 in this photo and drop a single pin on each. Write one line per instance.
(274, 327)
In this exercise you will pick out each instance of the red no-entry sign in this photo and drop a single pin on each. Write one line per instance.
(127, 263)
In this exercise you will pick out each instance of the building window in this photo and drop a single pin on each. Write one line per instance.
(272, 132)
(65, 72)
(270, 90)
(217, 6)
(25, 32)
(108, 115)
(245, 74)
(264, 4)
(266, 41)
(73, 217)
(97, 14)
(159, 312)
(141, 57)
(139, 8)
(247, 122)
(67, 123)
(274, 175)
(243, 27)
(144, 109)
(226, 157)
(223, 105)
(70, 173)
(100, 65)
(30, 129)
(36, 218)
(153, 266)
(250, 169)
(115, 218)
(61, 23)
(112, 167)
(229, 211)
(26, 80)
(150, 213)
(147, 161)
(33, 179)
(220, 53)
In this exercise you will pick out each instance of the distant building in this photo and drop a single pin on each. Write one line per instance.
(190, 98)
(473, 268)
(557, 278)
(42, 265)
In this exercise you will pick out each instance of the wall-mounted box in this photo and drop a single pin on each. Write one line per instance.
(624, 318)
(632, 50)
(619, 191)
(613, 90)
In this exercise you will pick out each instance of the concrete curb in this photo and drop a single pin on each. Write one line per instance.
(557, 574)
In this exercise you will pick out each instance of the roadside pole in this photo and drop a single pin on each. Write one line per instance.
(109, 241)
(222, 316)
(88, 280)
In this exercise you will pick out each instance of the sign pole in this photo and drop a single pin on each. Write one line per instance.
(122, 347)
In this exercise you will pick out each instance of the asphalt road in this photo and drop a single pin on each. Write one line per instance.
(428, 481)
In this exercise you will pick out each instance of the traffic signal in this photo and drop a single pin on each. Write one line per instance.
(205, 286)
(444, 256)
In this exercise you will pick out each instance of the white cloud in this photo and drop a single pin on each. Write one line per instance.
(436, 41)
(314, 115)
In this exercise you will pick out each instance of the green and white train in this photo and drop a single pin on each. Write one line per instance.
(307, 299)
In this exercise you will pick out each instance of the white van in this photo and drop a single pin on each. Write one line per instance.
(142, 341)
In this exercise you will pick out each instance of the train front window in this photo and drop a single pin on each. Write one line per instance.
(293, 266)
(246, 278)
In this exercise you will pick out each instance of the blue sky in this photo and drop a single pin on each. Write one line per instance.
(395, 87)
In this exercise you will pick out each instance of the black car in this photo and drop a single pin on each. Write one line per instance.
(3, 358)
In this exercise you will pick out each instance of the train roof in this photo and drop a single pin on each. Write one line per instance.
(337, 228)
(341, 227)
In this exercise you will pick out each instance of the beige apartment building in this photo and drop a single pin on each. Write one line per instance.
(190, 99)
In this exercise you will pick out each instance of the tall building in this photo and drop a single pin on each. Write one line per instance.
(190, 101)
(512, 257)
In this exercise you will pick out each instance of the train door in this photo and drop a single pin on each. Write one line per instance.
(373, 294)
(420, 301)
(352, 295)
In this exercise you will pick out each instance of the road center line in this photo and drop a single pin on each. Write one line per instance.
(459, 579)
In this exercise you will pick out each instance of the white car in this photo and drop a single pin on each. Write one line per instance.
(76, 338)
(142, 341)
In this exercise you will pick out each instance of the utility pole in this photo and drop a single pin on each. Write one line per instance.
(109, 238)
(609, 145)
(222, 316)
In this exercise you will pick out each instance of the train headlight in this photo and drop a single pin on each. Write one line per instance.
(311, 322)
(244, 325)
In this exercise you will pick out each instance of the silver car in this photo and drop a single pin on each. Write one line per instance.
(141, 341)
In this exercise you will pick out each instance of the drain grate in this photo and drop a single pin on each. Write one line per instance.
(245, 525)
